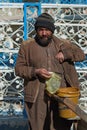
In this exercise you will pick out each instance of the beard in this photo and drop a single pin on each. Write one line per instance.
(43, 40)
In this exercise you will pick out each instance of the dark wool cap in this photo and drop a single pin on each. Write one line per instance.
(45, 20)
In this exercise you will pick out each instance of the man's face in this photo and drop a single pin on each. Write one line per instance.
(44, 36)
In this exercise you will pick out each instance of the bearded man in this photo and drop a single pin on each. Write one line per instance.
(38, 57)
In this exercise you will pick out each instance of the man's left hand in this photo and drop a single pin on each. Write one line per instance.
(60, 57)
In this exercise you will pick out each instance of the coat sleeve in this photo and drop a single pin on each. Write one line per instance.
(72, 52)
(22, 67)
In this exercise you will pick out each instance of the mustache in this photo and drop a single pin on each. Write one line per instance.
(43, 36)
(43, 40)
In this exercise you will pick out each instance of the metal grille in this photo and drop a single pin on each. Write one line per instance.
(13, 30)
(47, 1)
(11, 35)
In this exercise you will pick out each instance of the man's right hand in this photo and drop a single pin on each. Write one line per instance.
(43, 73)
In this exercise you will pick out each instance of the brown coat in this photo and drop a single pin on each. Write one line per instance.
(31, 56)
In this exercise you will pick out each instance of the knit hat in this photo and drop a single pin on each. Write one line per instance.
(45, 20)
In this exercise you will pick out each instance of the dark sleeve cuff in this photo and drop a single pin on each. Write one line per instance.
(33, 74)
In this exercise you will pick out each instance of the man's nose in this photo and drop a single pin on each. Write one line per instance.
(44, 32)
